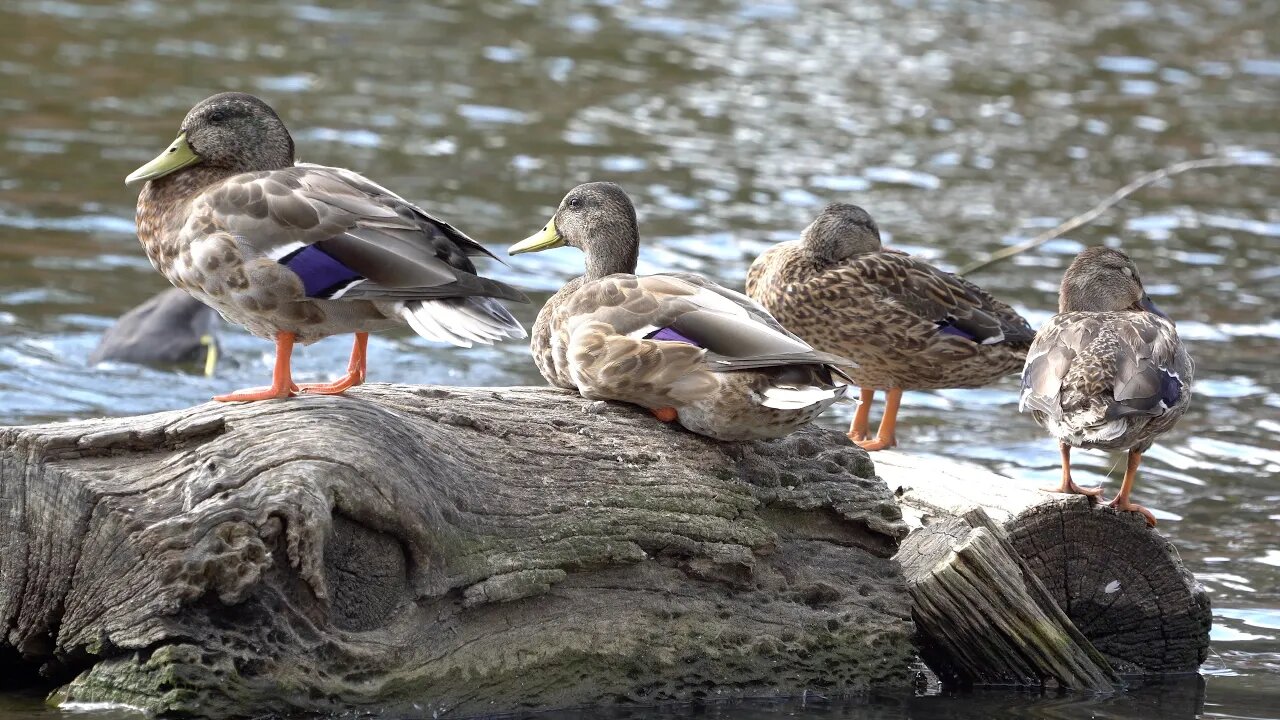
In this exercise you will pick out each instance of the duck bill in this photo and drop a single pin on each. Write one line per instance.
(177, 156)
(545, 239)
(1146, 304)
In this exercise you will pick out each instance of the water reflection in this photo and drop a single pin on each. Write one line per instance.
(963, 126)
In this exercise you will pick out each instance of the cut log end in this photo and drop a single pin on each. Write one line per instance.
(1121, 582)
(1015, 586)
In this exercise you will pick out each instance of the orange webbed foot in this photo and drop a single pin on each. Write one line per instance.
(1070, 488)
(877, 443)
(1126, 506)
(356, 369)
(258, 393)
(336, 387)
(282, 385)
(666, 414)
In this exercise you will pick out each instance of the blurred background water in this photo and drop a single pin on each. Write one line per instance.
(962, 125)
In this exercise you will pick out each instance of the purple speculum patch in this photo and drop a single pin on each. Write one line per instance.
(322, 275)
(670, 335)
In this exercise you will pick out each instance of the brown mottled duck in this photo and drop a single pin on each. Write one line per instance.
(299, 252)
(675, 343)
(907, 324)
(1108, 371)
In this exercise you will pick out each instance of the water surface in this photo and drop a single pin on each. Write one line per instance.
(962, 125)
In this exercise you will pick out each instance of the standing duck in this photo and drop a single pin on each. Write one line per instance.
(1108, 371)
(675, 343)
(299, 252)
(907, 324)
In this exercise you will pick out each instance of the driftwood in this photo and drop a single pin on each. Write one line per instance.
(457, 551)
(1013, 585)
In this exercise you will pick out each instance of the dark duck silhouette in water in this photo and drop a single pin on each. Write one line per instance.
(299, 252)
(676, 343)
(907, 324)
(170, 328)
(1108, 371)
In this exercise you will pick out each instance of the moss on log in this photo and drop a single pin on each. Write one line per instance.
(461, 551)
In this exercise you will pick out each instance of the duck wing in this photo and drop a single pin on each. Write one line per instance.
(735, 332)
(405, 209)
(954, 305)
(1095, 368)
(347, 237)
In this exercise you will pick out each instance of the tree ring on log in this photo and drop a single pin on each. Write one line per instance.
(1122, 584)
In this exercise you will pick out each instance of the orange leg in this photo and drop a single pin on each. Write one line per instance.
(885, 437)
(666, 414)
(281, 378)
(1121, 501)
(1068, 485)
(355, 371)
(862, 417)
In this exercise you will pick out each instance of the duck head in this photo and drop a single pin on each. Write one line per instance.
(597, 218)
(1101, 279)
(229, 133)
(840, 231)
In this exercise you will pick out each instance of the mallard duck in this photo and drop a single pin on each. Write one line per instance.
(675, 343)
(170, 328)
(908, 325)
(299, 252)
(1108, 371)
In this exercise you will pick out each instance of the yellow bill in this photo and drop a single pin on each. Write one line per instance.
(544, 239)
(177, 156)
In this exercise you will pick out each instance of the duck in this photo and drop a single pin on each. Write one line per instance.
(687, 349)
(907, 324)
(1108, 371)
(169, 328)
(296, 252)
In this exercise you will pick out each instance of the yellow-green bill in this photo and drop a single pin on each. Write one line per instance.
(177, 156)
(211, 358)
(544, 239)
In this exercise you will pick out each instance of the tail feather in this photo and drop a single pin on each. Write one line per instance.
(797, 398)
(462, 321)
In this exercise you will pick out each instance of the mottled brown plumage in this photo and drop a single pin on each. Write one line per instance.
(1108, 371)
(675, 343)
(299, 252)
(908, 325)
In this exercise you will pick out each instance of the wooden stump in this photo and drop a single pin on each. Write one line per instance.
(460, 551)
(1014, 585)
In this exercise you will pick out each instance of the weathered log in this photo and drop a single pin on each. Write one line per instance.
(1011, 584)
(460, 550)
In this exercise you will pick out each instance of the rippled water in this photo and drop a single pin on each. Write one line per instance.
(962, 125)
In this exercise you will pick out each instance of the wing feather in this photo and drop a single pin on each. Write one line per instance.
(394, 249)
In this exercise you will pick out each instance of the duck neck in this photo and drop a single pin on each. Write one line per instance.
(613, 250)
(170, 194)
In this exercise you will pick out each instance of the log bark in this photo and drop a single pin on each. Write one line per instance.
(1013, 585)
(455, 551)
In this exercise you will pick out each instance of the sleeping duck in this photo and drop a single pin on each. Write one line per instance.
(1108, 371)
(170, 328)
(907, 324)
(675, 343)
(299, 252)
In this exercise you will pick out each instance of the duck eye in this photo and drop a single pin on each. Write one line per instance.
(574, 203)
(217, 116)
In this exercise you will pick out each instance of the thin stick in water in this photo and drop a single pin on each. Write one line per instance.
(1116, 197)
